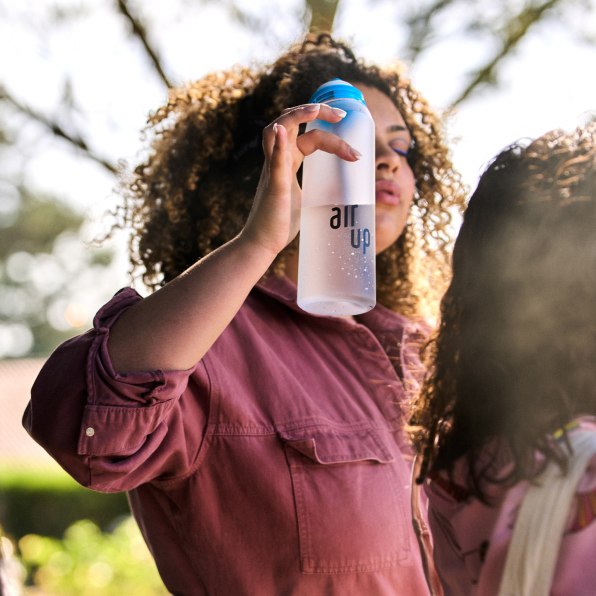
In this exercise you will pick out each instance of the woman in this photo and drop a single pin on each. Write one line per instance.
(261, 447)
(511, 377)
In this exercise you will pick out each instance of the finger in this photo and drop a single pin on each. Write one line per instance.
(268, 140)
(325, 112)
(280, 180)
(310, 141)
(331, 114)
(292, 118)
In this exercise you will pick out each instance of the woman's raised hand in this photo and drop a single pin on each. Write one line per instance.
(274, 218)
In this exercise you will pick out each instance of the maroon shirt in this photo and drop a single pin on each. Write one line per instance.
(275, 466)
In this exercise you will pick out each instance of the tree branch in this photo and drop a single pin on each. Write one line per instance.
(322, 15)
(420, 27)
(57, 130)
(139, 31)
(517, 28)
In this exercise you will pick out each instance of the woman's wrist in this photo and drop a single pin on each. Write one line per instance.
(255, 251)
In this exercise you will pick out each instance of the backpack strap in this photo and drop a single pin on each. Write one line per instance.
(538, 532)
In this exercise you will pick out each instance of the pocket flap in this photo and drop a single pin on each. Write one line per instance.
(332, 446)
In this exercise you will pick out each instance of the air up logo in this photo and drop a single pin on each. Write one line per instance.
(346, 218)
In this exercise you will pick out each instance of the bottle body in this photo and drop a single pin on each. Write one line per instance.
(336, 266)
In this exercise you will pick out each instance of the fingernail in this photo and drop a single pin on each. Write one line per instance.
(275, 129)
(355, 153)
(313, 107)
(339, 112)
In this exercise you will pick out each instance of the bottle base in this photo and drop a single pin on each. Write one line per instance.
(335, 307)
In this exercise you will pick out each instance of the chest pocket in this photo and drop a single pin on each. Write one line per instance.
(351, 500)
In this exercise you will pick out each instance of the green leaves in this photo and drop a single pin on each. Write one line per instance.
(88, 561)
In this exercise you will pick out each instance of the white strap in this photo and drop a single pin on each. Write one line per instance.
(538, 531)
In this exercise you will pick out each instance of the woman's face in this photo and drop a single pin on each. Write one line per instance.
(394, 177)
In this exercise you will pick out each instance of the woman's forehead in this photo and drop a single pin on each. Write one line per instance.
(386, 115)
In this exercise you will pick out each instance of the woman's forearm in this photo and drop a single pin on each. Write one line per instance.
(174, 327)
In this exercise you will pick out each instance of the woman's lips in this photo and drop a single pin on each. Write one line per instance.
(387, 192)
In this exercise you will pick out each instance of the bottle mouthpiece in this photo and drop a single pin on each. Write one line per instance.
(336, 89)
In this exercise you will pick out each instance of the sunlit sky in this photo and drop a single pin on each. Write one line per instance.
(547, 83)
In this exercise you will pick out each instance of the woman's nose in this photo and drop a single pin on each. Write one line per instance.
(387, 159)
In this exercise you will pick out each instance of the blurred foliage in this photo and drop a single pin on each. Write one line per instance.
(42, 264)
(35, 222)
(60, 539)
(47, 502)
(90, 562)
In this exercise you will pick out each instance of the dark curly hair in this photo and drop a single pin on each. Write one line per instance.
(194, 188)
(514, 358)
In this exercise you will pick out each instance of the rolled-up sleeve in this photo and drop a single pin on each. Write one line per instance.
(112, 431)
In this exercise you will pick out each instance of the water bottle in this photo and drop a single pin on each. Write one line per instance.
(336, 266)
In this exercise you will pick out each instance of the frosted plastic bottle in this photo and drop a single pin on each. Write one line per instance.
(336, 266)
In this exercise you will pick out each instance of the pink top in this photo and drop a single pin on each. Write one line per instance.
(471, 539)
(277, 465)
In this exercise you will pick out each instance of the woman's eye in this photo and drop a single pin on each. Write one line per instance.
(402, 152)
(401, 147)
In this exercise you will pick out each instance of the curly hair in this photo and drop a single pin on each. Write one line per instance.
(514, 356)
(193, 190)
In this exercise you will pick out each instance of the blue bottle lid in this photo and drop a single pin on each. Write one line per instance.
(336, 89)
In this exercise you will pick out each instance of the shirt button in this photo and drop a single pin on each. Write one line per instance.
(90, 431)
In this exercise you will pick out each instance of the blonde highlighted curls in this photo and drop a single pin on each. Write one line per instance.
(194, 189)
(513, 359)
